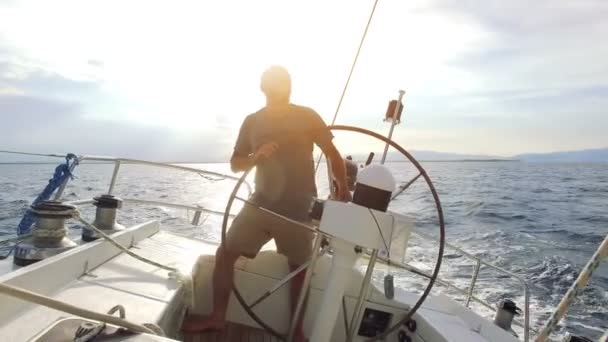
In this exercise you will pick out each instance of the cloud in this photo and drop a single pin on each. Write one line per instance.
(481, 76)
(60, 130)
(544, 44)
(28, 110)
(46, 112)
(536, 80)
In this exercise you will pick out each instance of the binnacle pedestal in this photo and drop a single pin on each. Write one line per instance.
(353, 226)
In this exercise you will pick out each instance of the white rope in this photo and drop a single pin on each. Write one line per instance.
(71, 309)
(185, 279)
(49, 233)
(54, 232)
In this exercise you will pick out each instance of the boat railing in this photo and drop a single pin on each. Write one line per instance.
(194, 208)
(118, 162)
(469, 291)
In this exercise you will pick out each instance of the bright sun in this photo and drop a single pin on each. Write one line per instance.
(191, 63)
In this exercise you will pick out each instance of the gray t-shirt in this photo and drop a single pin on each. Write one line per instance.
(285, 182)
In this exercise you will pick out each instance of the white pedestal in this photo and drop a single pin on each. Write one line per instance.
(350, 225)
(343, 263)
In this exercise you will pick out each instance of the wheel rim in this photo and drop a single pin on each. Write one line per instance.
(434, 275)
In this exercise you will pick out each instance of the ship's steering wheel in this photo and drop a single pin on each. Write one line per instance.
(435, 273)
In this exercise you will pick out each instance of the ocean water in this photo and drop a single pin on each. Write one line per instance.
(540, 221)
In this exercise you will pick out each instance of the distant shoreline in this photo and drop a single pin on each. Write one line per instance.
(357, 161)
(216, 162)
(455, 160)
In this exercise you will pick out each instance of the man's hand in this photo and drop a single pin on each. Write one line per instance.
(243, 163)
(266, 150)
(338, 170)
(342, 193)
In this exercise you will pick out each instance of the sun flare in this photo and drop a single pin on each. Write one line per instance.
(188, 64)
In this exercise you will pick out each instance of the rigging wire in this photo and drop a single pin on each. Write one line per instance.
(350, 74)
(352, 69)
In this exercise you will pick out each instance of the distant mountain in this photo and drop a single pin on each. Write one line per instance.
(591, 155)
(430, 156)
(446, 156)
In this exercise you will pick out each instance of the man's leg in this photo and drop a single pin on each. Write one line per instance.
(296, 244)
(296, 285)
(245, 237)
(223, 276)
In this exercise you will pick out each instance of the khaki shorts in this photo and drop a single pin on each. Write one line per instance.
(252, 228)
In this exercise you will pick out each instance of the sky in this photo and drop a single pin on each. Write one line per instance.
(173, 80)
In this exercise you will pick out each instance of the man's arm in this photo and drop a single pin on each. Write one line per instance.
(322, 137)
(338, 170)
(240, 163)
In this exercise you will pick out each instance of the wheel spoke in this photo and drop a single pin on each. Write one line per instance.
(320, 237)
(280, 284)
(285, 218)
(402, 188)
(345, 315)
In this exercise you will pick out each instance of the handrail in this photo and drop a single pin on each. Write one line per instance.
(446, 283)
(121, 161)
(114, 177)
(132, 161)
(161, 203)
(479, 263)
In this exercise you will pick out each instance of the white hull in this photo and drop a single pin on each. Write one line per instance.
(97, 276)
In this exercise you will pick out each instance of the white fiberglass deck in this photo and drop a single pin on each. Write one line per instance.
(82, 277)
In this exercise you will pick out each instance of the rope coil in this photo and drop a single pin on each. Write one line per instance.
(49, 233)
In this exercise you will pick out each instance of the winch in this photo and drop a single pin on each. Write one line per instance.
(48, 234)
(506, 311)
(105, 217)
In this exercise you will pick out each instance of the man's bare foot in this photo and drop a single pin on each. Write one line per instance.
(197, 323)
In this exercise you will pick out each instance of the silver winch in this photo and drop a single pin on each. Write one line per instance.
(48, 233)
(506, 311)
(105, 217)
